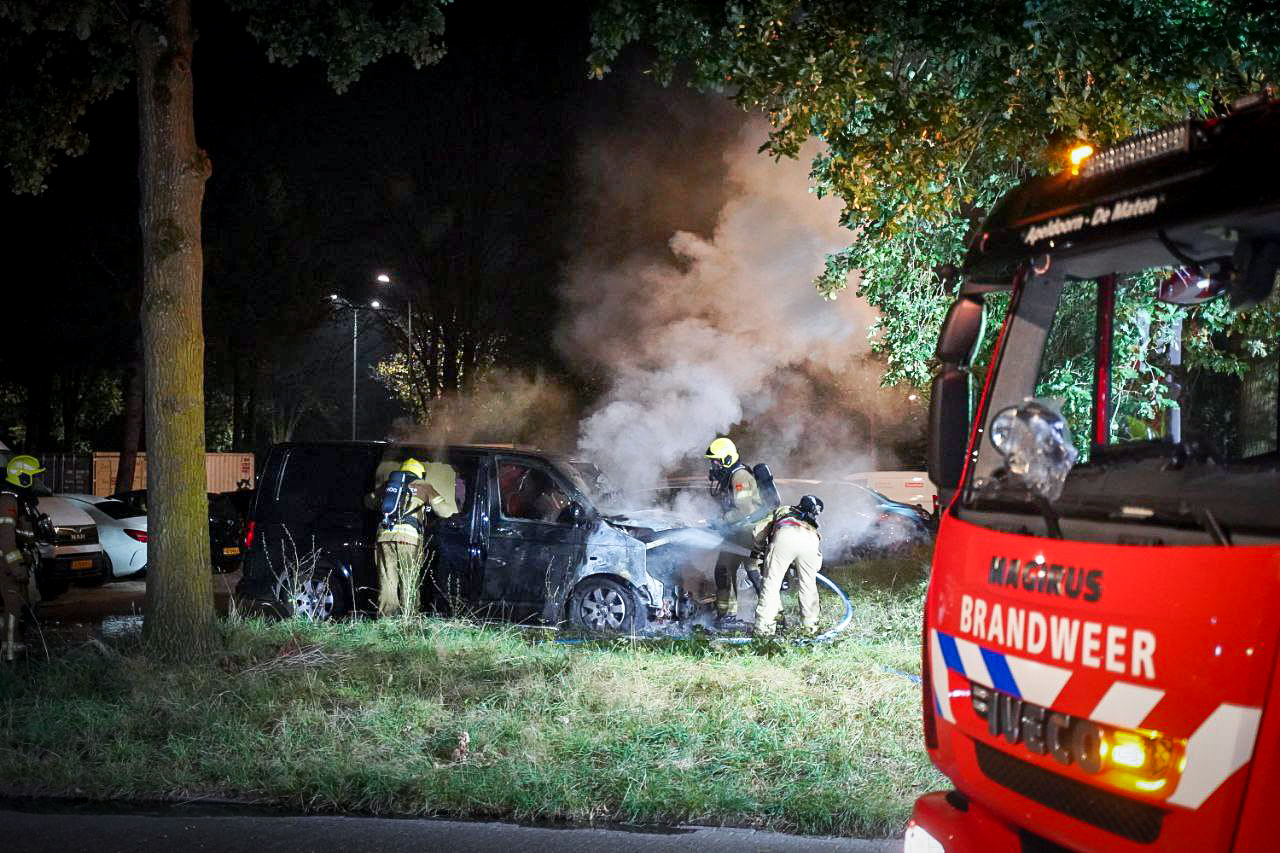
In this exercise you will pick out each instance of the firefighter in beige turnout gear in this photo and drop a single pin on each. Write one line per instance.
(402, 546)
(15, 522)
(791, 536)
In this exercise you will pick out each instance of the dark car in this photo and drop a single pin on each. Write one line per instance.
(226, 525)
(530, 540)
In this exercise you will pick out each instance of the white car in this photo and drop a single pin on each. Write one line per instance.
(121, 531)
(74, 556)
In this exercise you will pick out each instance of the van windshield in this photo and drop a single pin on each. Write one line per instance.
(1190, 421)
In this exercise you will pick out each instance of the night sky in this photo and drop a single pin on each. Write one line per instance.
(460, 180)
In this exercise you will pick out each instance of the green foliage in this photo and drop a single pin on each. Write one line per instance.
(347, 36)
(59, 58)
(56, 59)
(931, 110)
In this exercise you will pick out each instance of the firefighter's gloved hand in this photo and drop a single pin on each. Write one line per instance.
(757, 580)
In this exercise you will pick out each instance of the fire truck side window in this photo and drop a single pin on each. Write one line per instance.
(1236, 414)
(1067, 363)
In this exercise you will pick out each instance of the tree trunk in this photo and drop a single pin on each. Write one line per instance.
(132, 437)
(172, 171)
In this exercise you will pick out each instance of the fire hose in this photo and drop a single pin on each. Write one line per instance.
(825, 637)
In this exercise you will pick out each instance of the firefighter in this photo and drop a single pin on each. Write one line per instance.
(791, 536)
(402, 537)
(15, 521)
(736, 488)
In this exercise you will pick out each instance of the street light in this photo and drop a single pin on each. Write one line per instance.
(384, 278)
(355, 347)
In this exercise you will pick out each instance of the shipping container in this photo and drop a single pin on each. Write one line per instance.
(224, 472)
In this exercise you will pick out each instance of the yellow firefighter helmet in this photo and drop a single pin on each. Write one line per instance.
(21, 471)
(723, 450)
(414, 467)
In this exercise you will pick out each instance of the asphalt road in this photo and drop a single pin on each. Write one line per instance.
(117, 833)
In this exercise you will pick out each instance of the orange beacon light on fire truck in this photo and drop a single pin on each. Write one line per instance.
(1078, 155)
(1099, 656)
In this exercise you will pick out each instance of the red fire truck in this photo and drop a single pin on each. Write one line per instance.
(1099, 657)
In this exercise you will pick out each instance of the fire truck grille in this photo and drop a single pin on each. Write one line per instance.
(1124, 817)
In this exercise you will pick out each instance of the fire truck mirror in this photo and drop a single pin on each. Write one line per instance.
(948, 426)
(1255, 263)
(961, 331)
(949, 413)
(1190, 286)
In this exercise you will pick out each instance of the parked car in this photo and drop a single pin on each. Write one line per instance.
(226, 526)
(530, 540)
(122, 532)
(857, 521)
(908, 487)
(75, 556)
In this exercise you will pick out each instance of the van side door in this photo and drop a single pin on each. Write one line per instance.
(455, 571)
(533, 545)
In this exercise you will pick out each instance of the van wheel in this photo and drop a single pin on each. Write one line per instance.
(605, 606)
(316, 595)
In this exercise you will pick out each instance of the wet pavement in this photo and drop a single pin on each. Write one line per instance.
(111, 608)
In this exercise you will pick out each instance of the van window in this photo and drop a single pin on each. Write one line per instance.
(529, 493)
(317, 479)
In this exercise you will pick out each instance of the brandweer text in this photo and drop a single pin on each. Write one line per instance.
(1114, 648)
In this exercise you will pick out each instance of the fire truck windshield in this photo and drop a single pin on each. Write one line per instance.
(1177, 432)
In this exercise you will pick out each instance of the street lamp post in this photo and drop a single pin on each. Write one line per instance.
(355, 349)
(383, 278)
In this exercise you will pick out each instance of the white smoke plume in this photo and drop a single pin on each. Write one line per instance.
(504, 407)
(725, 330)
(722, 332)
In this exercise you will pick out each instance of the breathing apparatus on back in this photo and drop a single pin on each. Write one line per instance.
(808, 509)
(397, 494)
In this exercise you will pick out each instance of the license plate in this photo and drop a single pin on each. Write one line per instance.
(230, 552)
(82, 564)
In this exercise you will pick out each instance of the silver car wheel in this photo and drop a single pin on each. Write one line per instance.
(310, 598)
(604, 609)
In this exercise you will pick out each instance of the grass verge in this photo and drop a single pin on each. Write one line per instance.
(368, 716)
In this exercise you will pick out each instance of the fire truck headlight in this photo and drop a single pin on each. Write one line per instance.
(918, 840)
(1128, 750)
